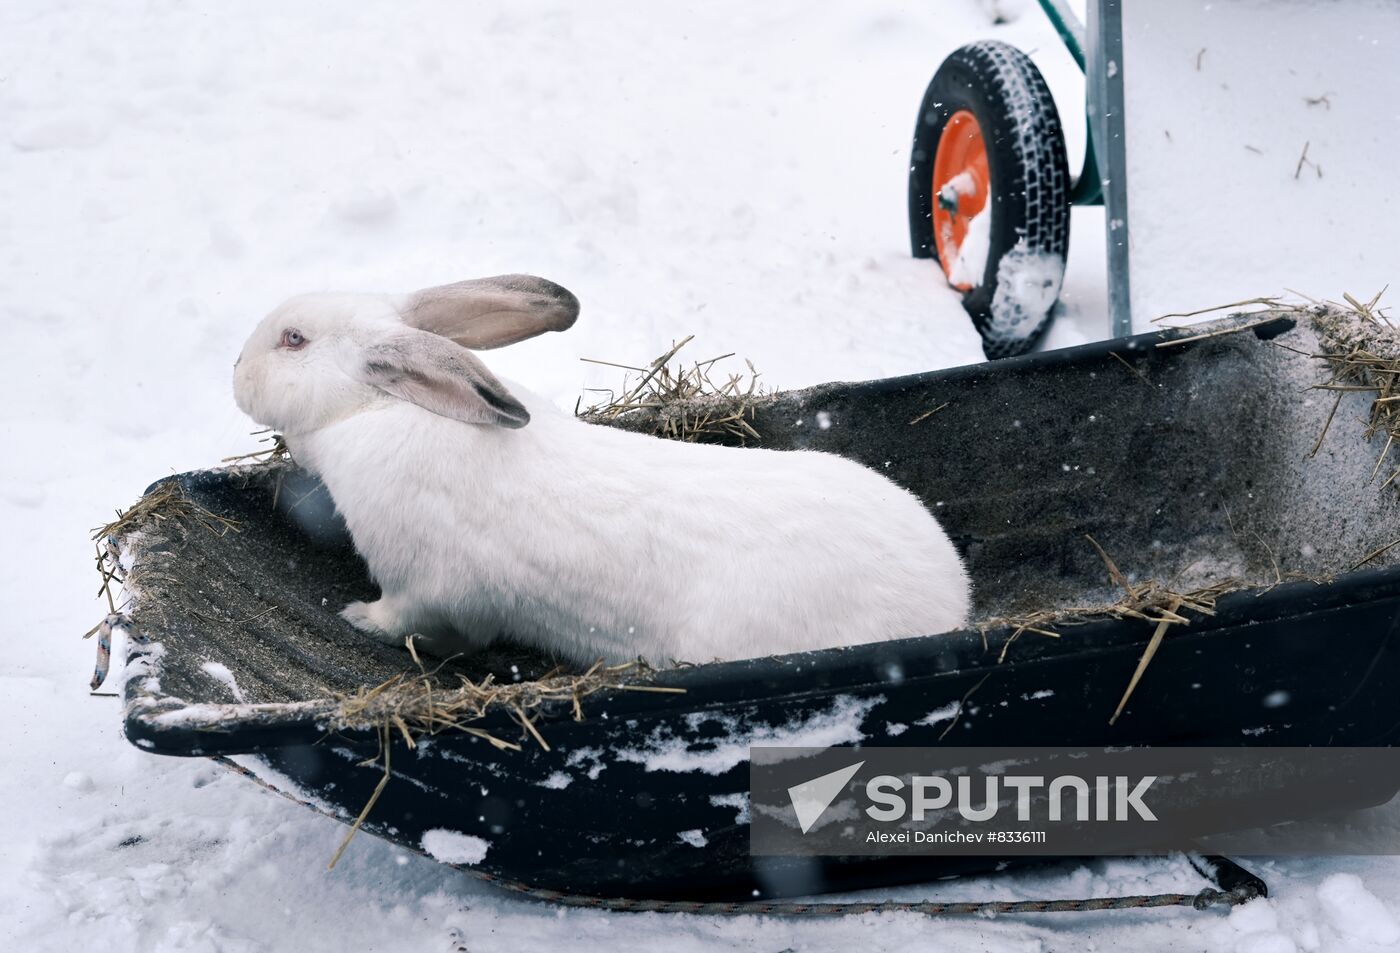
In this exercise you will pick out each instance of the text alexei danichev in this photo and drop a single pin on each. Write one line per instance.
(924, 837)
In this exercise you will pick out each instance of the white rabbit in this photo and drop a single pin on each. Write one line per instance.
(484, 511)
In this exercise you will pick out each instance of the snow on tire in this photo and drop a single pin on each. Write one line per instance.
(998, 221)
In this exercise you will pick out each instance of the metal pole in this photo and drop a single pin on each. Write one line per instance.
(1104, 85)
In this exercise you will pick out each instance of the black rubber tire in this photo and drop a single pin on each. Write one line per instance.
(1029, 188)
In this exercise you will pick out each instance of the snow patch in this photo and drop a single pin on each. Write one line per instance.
(1256, 923)
(133, 661)
(366, 206)
(959, 185)
(1355, 912)
(557, 781)
(1028, 282)
(1269, 942)
(220, 672)
(214, 716)
(839, 725)
(280, 782)
(589, 759)
(970, 267)
(452, 847)
(78, 781)
(947, 713)
(738, 801)
(695, 838)
(64, 132)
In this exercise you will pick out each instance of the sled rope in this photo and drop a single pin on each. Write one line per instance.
(1202, 900)
(109, 567)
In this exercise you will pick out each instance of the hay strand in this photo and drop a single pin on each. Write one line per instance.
(929, 413)
(277, 451)
(1136, 370)
(1380, 551)
(962, 704)
(1147, 655)
(1270, 302)
(369, 805)
(1220, 332)
(1326, 426)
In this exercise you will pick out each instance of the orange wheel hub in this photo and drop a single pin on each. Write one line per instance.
(960, 186)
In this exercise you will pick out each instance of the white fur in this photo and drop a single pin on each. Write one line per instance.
(587, 541)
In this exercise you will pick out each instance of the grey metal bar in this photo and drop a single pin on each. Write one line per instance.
(1104, 85)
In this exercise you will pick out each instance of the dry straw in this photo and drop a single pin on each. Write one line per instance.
(415, 704)
(278, 450)
(418, 703)
(1361, 349)
(166, 502)
(691, 402)
(1149, 601)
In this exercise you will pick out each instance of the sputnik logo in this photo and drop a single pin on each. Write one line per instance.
(810, 799)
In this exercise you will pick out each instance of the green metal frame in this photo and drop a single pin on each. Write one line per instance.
(1088, 187)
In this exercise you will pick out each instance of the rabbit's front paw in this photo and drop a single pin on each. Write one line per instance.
(374, 619)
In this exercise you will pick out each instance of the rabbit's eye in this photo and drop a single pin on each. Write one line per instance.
(292, 338)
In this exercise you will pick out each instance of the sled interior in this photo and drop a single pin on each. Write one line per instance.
(1188, 464)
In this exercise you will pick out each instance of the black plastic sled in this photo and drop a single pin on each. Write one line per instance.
(1191, 457)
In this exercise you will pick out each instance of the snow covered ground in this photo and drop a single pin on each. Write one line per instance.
(1224, 201)
(169, 171)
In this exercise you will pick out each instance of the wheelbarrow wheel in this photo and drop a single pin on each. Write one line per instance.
(989, 192)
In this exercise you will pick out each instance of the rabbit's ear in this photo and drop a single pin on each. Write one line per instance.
(492, 312)
(440, 376)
